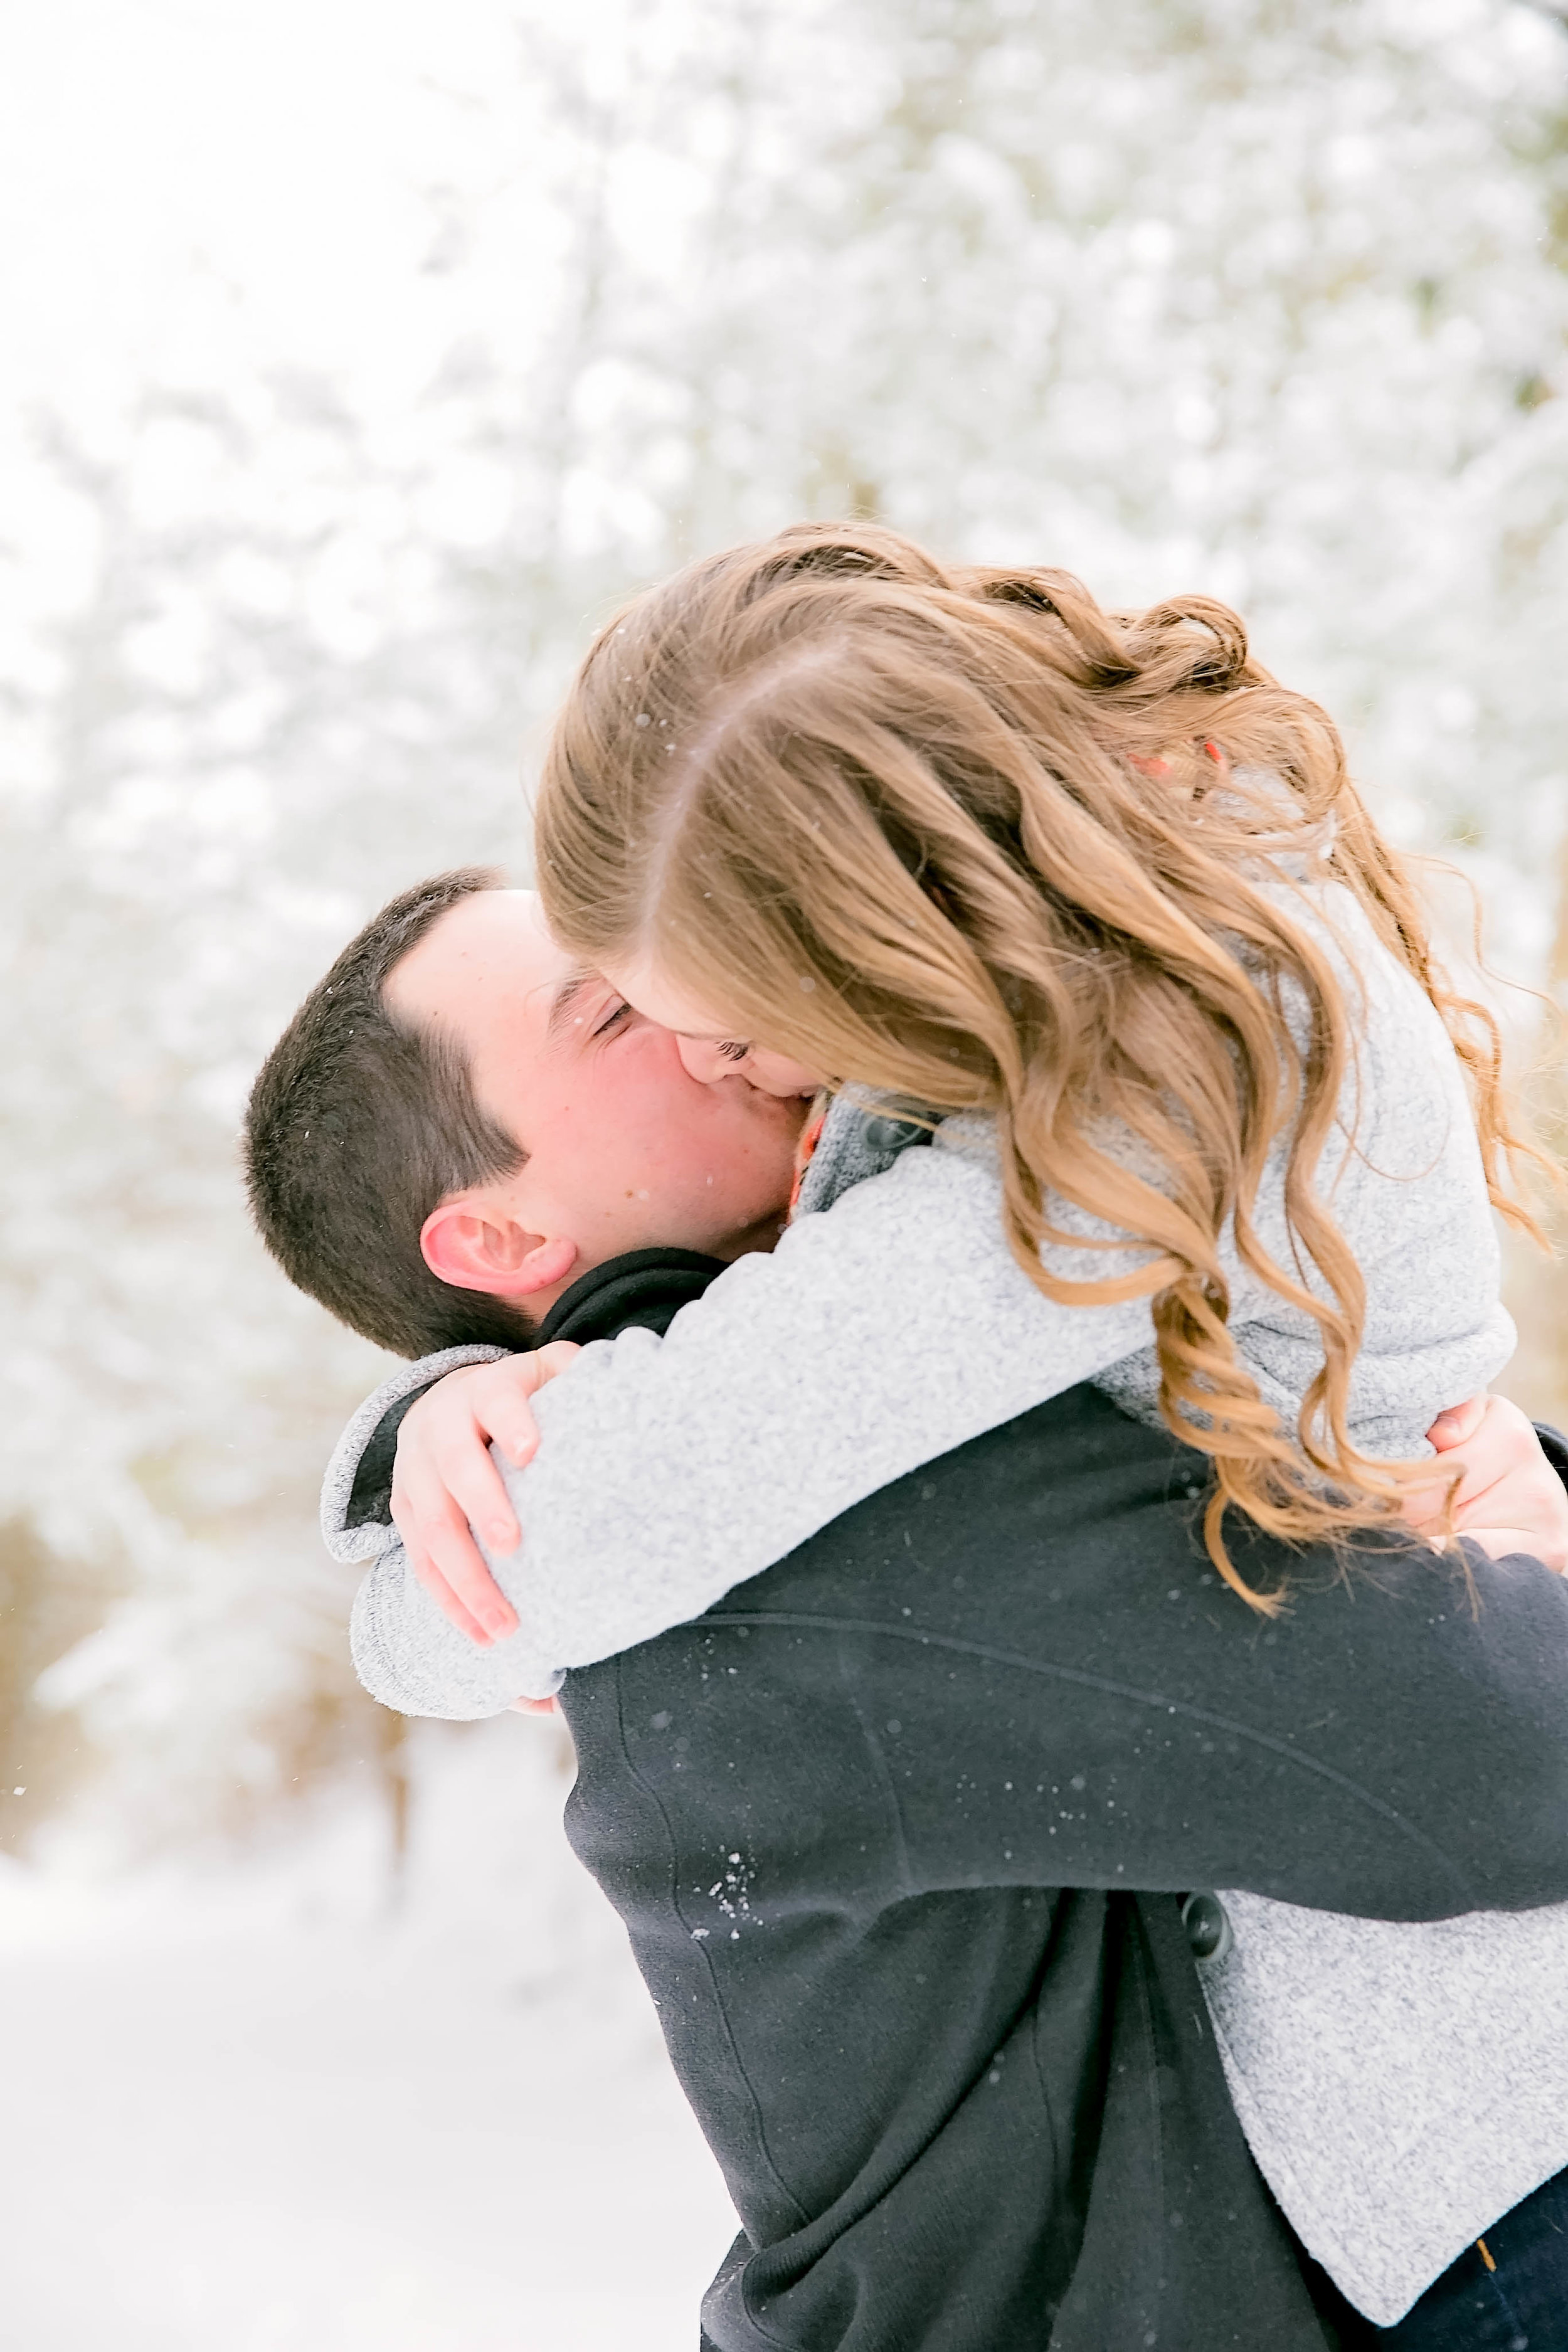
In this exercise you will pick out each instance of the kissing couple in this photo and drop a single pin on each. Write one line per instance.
(950, 1265)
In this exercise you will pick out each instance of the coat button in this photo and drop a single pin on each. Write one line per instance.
(1209, 1935)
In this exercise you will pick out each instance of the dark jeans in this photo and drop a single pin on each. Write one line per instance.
(1521, 2305)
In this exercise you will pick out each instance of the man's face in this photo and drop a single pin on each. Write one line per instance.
(625, 1149)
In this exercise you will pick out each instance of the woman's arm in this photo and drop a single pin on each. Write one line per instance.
(880, 1335)
(892, 1329)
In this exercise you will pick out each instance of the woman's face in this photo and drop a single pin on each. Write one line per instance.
(708, 1046)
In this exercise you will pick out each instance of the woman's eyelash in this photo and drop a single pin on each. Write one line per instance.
(732, 1050)
(613, 1018)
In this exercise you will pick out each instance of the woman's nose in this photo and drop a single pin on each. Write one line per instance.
(710, 1059)
(703, 1058)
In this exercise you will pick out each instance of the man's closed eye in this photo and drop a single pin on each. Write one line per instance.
(615, 1018)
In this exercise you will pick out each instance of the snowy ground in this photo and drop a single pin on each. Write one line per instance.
(259, 2113)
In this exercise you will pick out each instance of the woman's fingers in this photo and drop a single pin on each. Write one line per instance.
(435, 1530)
(462, 1471)
(502, 1393)
(446, 1485)
(1428, 1506)
(1509, 1498)
(446, 1599)
(458, 1561)
(495, 1408)
(1499, 1542)
(1480, 1444)
(513, 1427)
(1460, 1424)
(1501, 1449)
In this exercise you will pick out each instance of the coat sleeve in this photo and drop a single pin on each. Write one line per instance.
(1057, 1690)
(1414, 1767)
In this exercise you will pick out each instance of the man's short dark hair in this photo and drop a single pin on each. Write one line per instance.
(358, 1126)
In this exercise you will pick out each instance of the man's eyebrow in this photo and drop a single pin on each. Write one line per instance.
(566, 996)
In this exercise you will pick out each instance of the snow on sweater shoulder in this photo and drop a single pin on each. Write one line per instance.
(896, 1325)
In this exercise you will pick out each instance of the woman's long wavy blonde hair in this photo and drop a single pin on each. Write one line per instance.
(959, 835)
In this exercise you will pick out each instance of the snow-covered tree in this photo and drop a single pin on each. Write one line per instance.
(1267, 299)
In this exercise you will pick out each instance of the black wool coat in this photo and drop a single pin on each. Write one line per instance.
(897, 1831)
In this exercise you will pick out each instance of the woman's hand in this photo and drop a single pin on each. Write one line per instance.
(444, 1482)
(1510, 1497)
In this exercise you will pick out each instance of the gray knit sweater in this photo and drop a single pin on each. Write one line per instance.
(1401, 2086)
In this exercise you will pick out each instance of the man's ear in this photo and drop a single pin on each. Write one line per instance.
(476, 1246)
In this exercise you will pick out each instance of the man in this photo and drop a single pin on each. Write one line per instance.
(443, 1140)
(874, 1821)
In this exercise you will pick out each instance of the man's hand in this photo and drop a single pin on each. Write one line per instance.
(444, 1482)
(1510, 1497)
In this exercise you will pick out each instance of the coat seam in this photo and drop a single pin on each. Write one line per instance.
(1084, 1680)
(704, 1954)
(1158, 2135)
(907, 1885)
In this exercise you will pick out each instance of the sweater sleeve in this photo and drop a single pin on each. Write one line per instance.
(880, 1334)
(897, 1325)
(356, 1492)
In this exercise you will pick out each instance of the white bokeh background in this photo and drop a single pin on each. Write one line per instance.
(354, 359)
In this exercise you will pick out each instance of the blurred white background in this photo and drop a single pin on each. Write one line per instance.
(355, 357)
